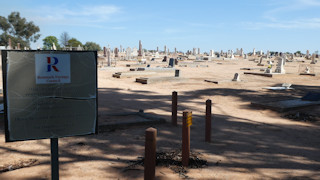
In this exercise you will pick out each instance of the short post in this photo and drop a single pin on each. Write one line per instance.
(174, 116)
(186, 123)
(208, 121)
(54, 158)
(150, 154)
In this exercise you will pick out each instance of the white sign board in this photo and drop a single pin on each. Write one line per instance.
(52, 68)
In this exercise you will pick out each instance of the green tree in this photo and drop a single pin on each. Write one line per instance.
(73, 42)
(64, 38)
(48, 42)
(18, 29)
(92, 46)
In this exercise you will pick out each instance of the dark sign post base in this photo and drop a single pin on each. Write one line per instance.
(54, 159)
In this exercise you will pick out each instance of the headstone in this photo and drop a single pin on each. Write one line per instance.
(164, 59)
(232, 56)
(134, 52)
(128, 54)
(54, 46)
(261, 52)
(245, 56)
(109, 57)
(198, 50)
(236, 77)
(18, 46)
(104, 51)
(79, 48)
(116, 52)
(165, 49)
(241, 52)
(194, 51)
(254, 52)
(211, 53)
(313, 61)
(157, 49)
(177, 73)
(9, 44)
(307, 70)
(260, 62)
(307, 54)
(269, 69)
(268, 54)
(157, 55)
(171, 62)
(120, 48)
(280, 67)
(140, 48)
(175, 50)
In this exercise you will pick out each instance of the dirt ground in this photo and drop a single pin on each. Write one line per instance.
(247, 142)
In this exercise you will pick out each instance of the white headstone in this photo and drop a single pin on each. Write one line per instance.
(280, 67)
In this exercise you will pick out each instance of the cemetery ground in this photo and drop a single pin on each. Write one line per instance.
(248, 142)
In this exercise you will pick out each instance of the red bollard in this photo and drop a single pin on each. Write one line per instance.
(174, 116)
(208, 121)
(186, 123)
(150, 154)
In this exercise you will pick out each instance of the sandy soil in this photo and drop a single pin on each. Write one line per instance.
(247, 142)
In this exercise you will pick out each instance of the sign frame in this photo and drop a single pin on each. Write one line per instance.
(5, 98)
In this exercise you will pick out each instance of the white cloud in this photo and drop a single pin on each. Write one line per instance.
(75, 16)
(313, 23)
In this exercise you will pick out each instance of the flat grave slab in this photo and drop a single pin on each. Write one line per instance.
(220, 81)
(260, 74)
(136, 65)
(285, 105)
(121, 120)
(260, 69)
(308, 74)
(157, 69)
(132, 74)
(149, 80)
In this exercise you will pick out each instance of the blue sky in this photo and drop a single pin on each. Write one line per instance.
(275, 25)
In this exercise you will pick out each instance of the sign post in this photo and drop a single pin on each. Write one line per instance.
(54, 158)
(49, 95)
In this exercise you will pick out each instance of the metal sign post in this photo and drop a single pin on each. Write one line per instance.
(54, 158)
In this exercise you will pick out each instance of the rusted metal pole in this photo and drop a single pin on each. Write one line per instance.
(208, 121)
(185, 138)
(174, 116)
(150, 154)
